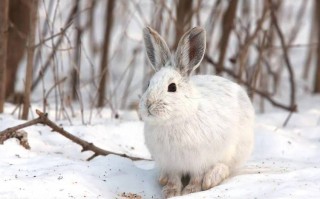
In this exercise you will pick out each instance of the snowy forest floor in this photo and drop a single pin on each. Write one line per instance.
(285, 162)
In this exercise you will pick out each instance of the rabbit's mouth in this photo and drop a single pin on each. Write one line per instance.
(156, 110)
(152, 110)
(149, 112)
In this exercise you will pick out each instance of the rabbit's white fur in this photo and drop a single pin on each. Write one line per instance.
(208, 121)
(211, 122)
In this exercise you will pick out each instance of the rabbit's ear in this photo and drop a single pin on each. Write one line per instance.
(190, 50)
(157, 49)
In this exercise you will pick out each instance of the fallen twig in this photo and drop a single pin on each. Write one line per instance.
(43, 119)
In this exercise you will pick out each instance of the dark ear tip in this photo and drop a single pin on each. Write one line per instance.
(198, 30)
(148, 29)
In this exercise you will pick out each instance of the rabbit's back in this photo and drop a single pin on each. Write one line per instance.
(227, 106)
(218, 94)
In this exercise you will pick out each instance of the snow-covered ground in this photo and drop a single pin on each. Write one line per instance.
(285, 162)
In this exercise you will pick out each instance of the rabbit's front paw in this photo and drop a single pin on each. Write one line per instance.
(193, 186)
(163, 179)
(173, 187)
(215, 176)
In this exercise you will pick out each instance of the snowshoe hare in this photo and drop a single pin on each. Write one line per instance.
(201, 125)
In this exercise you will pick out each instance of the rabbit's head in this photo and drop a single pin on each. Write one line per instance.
(169, 95)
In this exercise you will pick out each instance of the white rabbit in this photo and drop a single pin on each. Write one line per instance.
(201, 125)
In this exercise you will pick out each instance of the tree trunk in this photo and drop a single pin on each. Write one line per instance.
(184, 16)
(317, 74)
(104, 71)
(30, 53)
(75, 74)
(227, 26)
(19, 15)
(4, 9)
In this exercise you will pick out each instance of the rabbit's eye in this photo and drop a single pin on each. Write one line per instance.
(172, 87)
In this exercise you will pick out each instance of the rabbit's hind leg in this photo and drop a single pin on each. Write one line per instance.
(173, 186)
(194, 184)
(215, 176)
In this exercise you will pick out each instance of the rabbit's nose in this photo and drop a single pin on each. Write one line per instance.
(150, 102)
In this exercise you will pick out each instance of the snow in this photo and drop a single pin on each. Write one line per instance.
(284, 164)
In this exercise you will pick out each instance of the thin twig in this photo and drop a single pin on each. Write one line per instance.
(62, 32)
(287, 119)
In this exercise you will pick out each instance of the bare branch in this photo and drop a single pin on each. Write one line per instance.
(43, 119)
(286, 59)
(249, 86)
(56, 45)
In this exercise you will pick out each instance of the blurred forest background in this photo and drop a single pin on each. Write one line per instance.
(87, 54)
